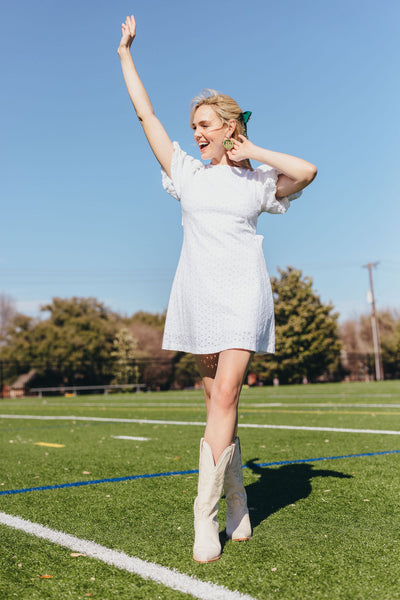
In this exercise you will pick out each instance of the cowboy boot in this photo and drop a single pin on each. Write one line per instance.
(238, 526)
(207, 547)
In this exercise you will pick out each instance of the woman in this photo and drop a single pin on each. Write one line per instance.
(221, 307)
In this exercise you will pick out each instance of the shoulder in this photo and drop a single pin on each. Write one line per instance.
(185, 160)
(263, 172)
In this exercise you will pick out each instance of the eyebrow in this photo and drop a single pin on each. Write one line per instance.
(200, 122)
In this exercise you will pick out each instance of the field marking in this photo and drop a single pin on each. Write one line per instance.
(45, 488)
(131, 437)
(293, 408)
(170, 578)
(245, 411)
(319, 405)
(243, 404)
(49, 445)
(200, 424)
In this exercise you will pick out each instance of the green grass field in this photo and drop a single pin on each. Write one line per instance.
(323, 529)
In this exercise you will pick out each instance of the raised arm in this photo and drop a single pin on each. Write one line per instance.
(156, 135)
(296, 172)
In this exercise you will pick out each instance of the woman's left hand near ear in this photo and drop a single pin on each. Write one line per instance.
(241, 150)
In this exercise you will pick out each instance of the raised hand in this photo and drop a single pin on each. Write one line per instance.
(241, 150)
(128, 33)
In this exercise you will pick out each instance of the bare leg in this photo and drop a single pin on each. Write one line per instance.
(222, 374)
(207, 365)
(222, 386)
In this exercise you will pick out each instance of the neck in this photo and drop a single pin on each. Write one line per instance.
(224, 160)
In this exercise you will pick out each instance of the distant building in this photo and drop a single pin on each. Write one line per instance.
(21, 386)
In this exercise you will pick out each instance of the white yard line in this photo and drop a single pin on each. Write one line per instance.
(134, 404)
(103, 419)
(130, 437)
(243, 404)
(168, 577)
(197, 423)
(316, 405)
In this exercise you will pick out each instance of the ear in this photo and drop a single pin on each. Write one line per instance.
(231, 126)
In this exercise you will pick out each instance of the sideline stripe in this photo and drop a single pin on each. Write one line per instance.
(317, 405)
(198, 423)
(243, 404)
(172, 579)
(131, 437)
(191, 472)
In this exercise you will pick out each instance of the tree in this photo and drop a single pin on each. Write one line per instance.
(156, 321)
(186, 371)
(72, 345)
(307, 340)
(356, 336)
(7, 314)
(156, 365)
(125, 370)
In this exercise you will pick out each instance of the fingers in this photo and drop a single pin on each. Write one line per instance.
(132, 24)
(129, 28)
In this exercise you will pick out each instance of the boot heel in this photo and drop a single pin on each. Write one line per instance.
(238, 527)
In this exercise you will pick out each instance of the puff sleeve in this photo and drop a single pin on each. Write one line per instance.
(183, 167)
(266, 178)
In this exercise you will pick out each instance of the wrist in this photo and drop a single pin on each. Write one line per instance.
(253, 152)
(123, 50)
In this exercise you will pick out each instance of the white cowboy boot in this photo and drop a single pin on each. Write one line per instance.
(207, 547)
(238, 526)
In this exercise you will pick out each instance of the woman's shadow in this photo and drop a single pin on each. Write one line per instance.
(277, 488)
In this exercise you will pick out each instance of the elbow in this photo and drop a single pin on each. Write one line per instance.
(310, 173)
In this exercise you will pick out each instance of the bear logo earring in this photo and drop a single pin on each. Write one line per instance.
(228, 144)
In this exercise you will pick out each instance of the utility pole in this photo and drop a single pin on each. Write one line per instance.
(374, 324)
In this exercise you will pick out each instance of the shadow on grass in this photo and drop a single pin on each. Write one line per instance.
(277, 488)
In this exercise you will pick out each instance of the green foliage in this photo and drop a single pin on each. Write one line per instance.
(124, 346)
(73, 344)
(390, 345)
(307, 341)
(356, 336)
(186, 371)
(156, 321)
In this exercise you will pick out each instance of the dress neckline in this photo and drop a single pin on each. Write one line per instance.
(229, 166)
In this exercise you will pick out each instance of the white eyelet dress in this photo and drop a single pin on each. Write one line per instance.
(221, 296)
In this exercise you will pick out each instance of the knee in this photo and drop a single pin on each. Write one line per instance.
(225, 395)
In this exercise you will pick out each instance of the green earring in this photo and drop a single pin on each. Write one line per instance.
(228, 144)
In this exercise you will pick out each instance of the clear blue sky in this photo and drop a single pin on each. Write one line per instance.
(83, 212)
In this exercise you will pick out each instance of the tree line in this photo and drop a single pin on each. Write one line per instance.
(79, 341)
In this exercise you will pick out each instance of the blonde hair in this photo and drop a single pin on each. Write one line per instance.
(226, 109)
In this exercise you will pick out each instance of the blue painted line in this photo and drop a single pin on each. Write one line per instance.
(190, 472)
(96, 481)
(308, 460)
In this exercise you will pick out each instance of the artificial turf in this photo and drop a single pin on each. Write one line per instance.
(324, 530)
